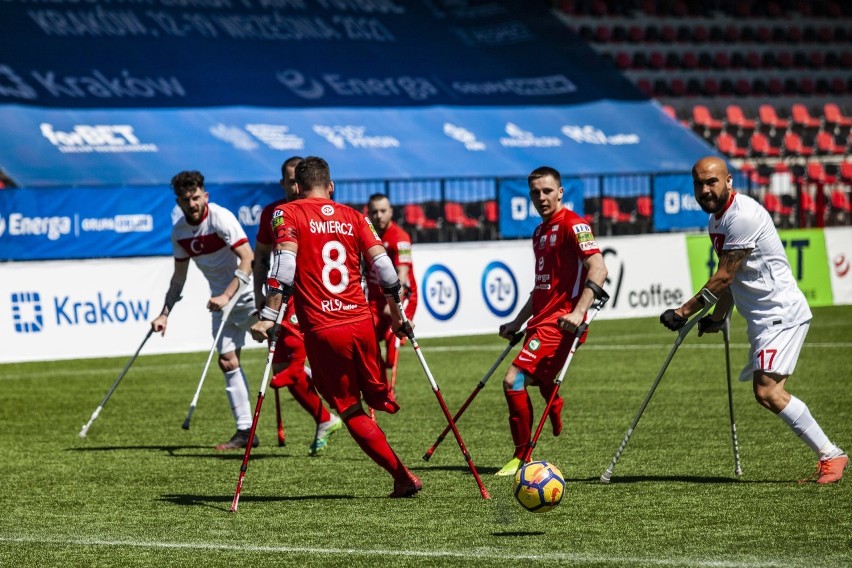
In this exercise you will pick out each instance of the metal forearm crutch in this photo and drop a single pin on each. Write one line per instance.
(709, 301)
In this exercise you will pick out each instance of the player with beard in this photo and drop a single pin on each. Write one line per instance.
(754, 273)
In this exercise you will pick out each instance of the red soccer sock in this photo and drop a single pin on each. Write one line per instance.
(555, 413)
(520, 419)
(305, 394)
(372, 440)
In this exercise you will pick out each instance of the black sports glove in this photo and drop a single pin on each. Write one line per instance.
(708, 325)
(672, 321)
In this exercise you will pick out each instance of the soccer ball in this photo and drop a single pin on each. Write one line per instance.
(538, 486)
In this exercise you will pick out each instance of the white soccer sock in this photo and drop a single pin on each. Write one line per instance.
(236, 386)
(797, 416)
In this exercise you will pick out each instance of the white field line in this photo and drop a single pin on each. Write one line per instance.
(139, 366)
(479, 554)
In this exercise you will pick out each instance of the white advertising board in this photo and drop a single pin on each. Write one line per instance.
(97, 308)
(838, 249)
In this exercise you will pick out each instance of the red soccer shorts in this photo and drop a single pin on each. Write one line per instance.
(544, 352)
(346, 365)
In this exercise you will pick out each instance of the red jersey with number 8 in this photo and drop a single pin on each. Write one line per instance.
(331, 238)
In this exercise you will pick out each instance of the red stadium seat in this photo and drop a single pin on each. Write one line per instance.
(415, 216)
(816, 174)
(840, 201)
(781, 214)
(846, 172)
(801, 116)
(727, 144)
(834, 116)
(768, 117)
(736, 117)
(702, 117)
(793, 145)
(454, 213)
(761, 146)
(826, 145)
(610, 210)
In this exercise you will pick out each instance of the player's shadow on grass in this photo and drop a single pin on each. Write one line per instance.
(677, 478)
(173, 452)
(223, 502)
(518, 533)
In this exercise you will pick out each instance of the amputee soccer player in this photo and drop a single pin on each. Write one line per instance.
(326, 240)
(288, 363)
(213, 238)
(569, 275)
(397, 243)
(754, 273)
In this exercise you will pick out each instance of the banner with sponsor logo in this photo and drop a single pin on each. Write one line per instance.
(675, 207)
(99, 308)
(329, 53)
(838, 249)
(806, 251)
(97, 222)
(49, 147)
(518, 216)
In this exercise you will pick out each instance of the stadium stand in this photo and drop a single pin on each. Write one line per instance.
(766, 83)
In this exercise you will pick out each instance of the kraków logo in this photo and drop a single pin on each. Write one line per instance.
(464, 136)
(355, 136)
(588, 134)
(520, 138)
(26, 312)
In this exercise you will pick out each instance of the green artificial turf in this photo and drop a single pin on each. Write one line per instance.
(141, 491)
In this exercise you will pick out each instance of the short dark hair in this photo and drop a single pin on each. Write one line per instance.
(544, 171)
(187, 181)
(313, 172)
(377, 197)
(287, 163)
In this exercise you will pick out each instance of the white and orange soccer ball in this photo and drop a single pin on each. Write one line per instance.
(538, 486)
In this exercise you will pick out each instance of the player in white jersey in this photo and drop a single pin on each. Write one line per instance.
(755, 275)
(211, 236)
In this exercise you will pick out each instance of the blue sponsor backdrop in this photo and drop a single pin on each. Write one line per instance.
(163, 53)
(518, 217)
(675, 207)
(88, 222)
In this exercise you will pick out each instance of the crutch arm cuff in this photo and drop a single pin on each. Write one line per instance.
(600, 293)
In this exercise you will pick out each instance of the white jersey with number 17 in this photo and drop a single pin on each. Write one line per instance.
(765, 291)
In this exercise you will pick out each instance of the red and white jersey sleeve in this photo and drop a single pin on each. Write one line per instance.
(765, 291)
(560, 246)
(398, 244)
(331, 238)
(211, 245)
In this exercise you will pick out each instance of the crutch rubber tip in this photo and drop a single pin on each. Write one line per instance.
(185, 425)
(427, 456)
(83, 433)
(605, 478)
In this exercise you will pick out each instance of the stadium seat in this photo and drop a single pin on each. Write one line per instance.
(835, 117)
(415, 216)
(826, 144)
(454, 213)
(702, 117)
(761, 146)
(801, 116)
(782, 215)
(816, 173)
(840, 200)
(793, 145)
(769, 117)
(736, 117)
(846, 172)
(612, 214)
(727, 144)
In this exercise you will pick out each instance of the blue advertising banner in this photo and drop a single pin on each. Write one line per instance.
(48, 147)
(675, 207)
(518, 216)
(91, 222)
(286, 53)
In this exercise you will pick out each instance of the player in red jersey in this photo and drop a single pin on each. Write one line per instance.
(398, 245)
(288, 364)
(569, 274)
(326, 240)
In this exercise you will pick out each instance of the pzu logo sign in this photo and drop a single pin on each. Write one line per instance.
(499, 289)
(442, 292)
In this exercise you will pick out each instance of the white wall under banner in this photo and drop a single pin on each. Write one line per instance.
(838, 248)
(97, 308)
(472, 288)
(100, 308)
